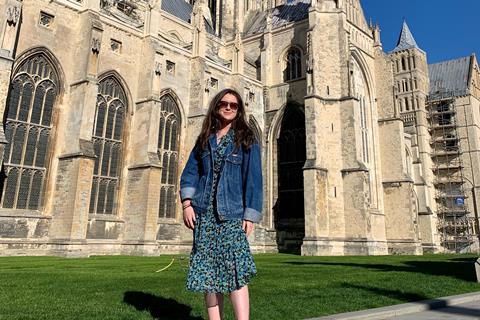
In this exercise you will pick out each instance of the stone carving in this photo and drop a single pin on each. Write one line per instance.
(46, 19)
(215, 48)
(266, 101)
(238, 42)
(125, 10)
(269, 20)
(207, 85)
(13, 15)
(351, 77)
(158, 68)
(214, 83)
(115, 46)
(96, 45)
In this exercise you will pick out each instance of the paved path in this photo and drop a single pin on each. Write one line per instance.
(466, 311)
(461, 307)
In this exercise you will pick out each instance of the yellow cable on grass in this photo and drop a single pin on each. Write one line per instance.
(166, 266)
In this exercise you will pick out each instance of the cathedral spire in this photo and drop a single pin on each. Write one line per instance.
(406, 39)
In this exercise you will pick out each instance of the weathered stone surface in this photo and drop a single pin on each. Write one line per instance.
(169, 231)
(368, 185)
(98, 229)
(13, 228)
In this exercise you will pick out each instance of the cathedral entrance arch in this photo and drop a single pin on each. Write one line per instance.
(289, 213)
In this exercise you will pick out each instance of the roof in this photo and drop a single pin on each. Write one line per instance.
(179, 8)
(183, 10)
(405, 40)
(292, 11)
(449, 78)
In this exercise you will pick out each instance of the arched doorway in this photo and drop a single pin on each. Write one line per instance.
(289, 219)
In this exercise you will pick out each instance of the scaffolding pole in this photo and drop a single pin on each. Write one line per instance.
(455, 226)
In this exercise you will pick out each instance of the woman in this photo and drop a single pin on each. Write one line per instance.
(221, 193)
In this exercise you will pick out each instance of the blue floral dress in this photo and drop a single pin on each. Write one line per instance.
(221, 260)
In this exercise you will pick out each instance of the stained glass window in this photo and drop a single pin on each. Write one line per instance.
(107, 144)
(168, 146)
(294, 64)
(28, 127)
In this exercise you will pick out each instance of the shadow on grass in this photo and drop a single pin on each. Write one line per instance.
(159, 308)
(456, 268)
(393, 294)
(439, 305)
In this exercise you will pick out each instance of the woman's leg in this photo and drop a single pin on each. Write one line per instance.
(240, 303)
(214, 303)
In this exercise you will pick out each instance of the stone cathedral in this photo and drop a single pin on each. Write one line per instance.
(102, 101)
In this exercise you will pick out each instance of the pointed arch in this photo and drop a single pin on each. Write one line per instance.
(286, 154)
(35, 85)
(168, 150)
(176, 35)
(363, 92)
(108, 134)
(362, 63)
(49, 57)
(293, 65)
(123, 85)
(367, 125)
(178, 102)
(253, 123)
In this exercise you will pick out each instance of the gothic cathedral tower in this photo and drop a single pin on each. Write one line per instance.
(410, 70)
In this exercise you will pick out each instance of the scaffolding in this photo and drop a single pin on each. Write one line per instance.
(455, 225)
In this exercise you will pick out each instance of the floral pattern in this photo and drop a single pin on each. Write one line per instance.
(221, 260)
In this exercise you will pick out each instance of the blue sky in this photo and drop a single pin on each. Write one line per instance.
(445, 29)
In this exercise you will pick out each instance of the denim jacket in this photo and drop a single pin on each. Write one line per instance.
(239, 192)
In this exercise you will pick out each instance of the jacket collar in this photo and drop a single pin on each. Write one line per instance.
(213, 144)
(213, 141)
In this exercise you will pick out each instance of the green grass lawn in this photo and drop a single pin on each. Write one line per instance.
(286, 286)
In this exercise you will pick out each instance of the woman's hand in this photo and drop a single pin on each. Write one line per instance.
(189, 217)
(247, 226)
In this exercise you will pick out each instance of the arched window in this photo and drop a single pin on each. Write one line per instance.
(168, 146)
(108, 143)
(28, 127)
(294, 64)
(364, 129)
(363, 95)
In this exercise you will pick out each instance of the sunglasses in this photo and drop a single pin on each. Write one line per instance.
(224, 104)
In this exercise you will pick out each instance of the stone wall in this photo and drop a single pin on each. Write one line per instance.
(351, 205)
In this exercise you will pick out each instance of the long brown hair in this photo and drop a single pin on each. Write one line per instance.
(244, 135)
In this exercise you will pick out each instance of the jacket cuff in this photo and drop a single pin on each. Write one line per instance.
(187, 192)
(252, 215)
